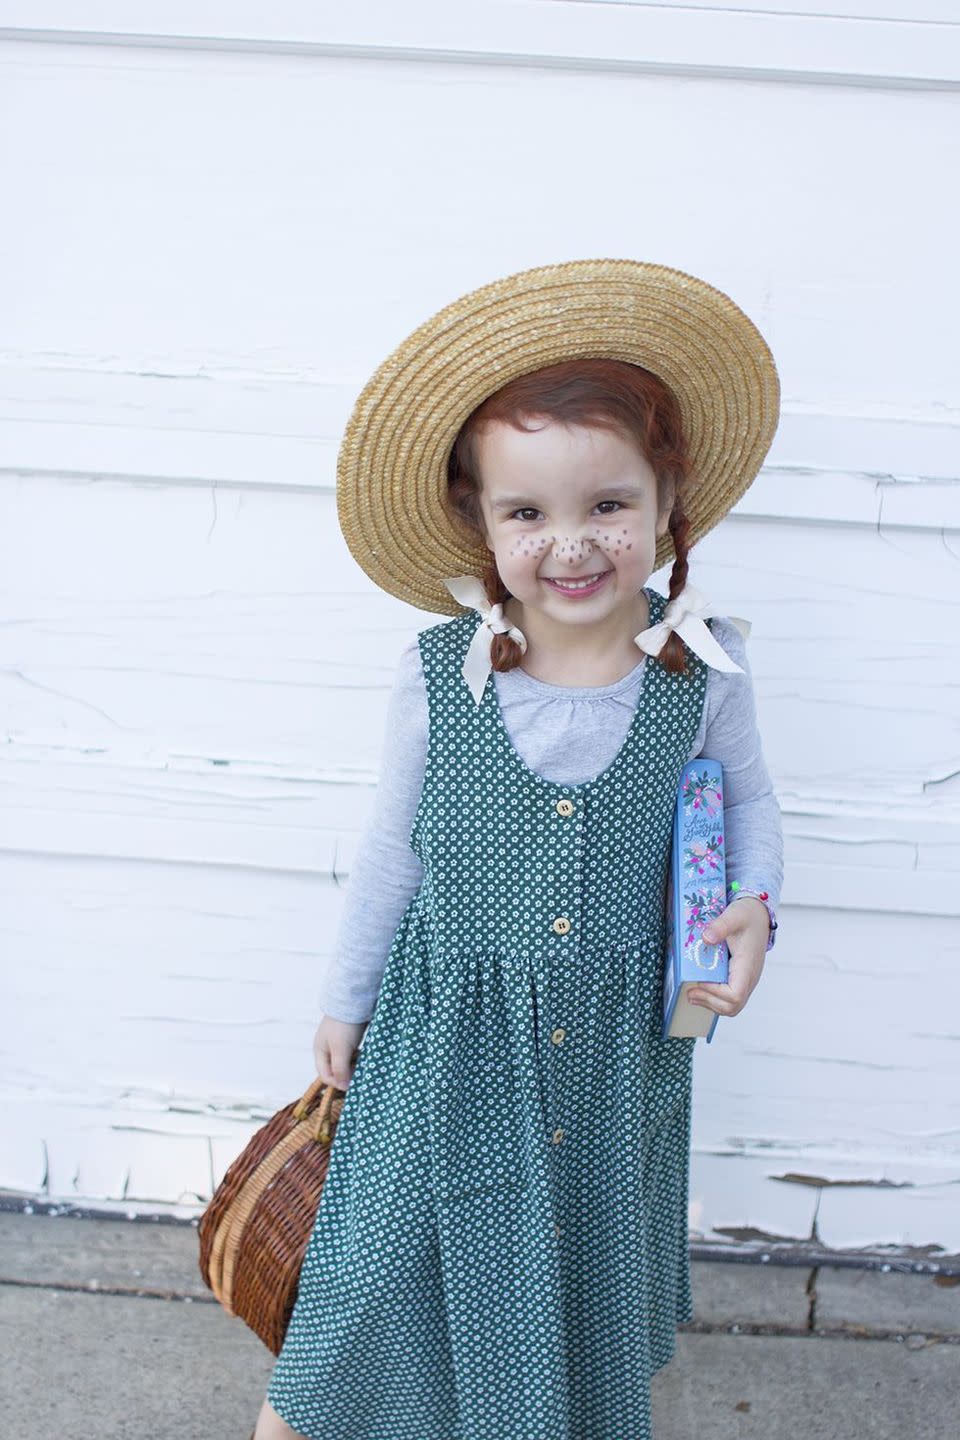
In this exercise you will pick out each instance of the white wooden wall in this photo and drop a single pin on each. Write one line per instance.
(217, 219)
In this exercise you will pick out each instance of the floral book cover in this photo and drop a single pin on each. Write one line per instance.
(696, 894)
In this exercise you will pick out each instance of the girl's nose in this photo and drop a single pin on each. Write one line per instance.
(571, 548)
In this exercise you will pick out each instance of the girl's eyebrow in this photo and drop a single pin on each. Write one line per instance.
(608, 492)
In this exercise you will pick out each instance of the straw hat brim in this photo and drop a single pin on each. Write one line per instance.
(392, 462)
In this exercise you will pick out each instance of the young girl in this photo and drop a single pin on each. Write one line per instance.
(500, 1250)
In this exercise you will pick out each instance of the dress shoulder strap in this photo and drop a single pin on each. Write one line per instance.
(442, 651)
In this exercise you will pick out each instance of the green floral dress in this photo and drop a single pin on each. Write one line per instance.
(500, 1250)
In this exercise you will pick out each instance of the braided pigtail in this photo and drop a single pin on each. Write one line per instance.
(673, 656)
(462, 502)
(505, 653)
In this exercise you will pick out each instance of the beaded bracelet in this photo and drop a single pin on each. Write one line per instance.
(736, 890)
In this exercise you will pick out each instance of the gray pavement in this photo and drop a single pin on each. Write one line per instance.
(108, 1333)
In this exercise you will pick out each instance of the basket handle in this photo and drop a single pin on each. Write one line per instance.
(330, 1100)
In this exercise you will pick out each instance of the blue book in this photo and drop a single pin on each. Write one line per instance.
(696, 894)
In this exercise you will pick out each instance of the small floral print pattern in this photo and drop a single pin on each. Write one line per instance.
(699, 908)
(500, 1251)
(704, 856)
(701, 793)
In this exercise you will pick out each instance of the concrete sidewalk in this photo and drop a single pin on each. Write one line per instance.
(108, 1333)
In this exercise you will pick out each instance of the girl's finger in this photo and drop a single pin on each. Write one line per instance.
(708, 991)
(729, 1004)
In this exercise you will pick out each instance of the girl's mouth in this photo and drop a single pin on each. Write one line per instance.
(576, 588)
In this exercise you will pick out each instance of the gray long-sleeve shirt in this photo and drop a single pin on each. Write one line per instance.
(567, 734)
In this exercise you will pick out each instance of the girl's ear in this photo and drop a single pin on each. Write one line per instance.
(667, 495)
(482, 518)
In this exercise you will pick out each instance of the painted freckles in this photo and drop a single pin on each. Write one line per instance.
(566, 548)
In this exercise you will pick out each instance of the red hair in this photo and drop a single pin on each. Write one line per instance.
(605, 394)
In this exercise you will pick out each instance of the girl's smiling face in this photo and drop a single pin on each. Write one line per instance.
(564, 503)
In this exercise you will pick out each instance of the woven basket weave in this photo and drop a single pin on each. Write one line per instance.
(255, 1230)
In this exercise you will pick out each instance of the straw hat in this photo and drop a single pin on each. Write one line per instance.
(392, 463)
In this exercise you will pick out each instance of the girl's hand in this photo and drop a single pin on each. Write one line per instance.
(745, 925)
(335, 1050)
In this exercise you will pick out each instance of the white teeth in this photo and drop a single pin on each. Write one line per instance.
(576, 584)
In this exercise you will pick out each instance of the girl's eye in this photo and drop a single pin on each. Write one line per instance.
(532, 510)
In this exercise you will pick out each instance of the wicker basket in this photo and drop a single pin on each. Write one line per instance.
(255, 1230)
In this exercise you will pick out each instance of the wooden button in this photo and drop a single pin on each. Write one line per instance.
(561, 925)
(556, 1230)
(559, 1035)
(564, 807)
(557, 1136)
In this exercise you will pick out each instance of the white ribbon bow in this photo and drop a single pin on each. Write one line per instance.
(685, 614)
(476, 666)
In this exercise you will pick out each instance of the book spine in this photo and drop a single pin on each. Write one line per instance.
(696, 891)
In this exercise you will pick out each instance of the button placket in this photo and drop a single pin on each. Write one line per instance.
(566, 808)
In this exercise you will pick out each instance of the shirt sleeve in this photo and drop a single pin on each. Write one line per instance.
(752, 821)
(386, 872)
